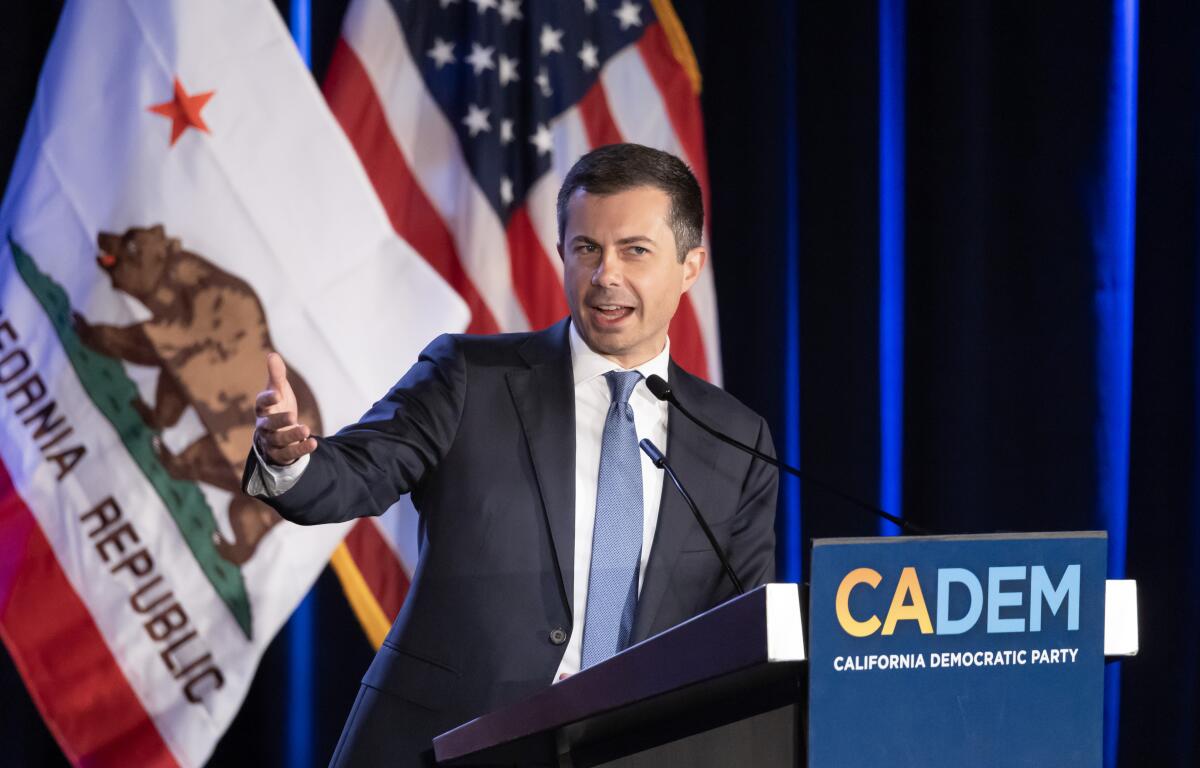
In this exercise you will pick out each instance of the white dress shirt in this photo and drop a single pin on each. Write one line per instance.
(271, 480)
(592, 399)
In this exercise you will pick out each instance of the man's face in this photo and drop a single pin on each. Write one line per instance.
(621, 272)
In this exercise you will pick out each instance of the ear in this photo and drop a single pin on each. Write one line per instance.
(693, 264)
(173, 246)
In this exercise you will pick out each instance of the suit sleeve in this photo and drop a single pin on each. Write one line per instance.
(752, 540)
(367, 466)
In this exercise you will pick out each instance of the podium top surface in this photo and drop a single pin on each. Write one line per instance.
(757, 635)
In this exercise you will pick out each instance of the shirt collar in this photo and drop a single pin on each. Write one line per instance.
(586, 363)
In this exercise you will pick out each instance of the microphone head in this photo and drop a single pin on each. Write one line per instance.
(659, 388)
(651, 450)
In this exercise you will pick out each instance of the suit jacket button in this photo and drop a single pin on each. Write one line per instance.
(558, 636)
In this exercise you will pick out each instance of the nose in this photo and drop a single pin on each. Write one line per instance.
(608, 271)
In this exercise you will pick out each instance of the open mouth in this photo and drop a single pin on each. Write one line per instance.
(612, 313)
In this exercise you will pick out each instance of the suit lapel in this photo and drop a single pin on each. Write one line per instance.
(692, 459)
(544, 396)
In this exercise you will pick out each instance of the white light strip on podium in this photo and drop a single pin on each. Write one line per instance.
(785, 634)
(1120, 618)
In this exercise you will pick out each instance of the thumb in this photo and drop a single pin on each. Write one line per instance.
(276, 373)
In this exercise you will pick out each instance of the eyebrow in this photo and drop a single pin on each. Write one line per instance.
(623, 241)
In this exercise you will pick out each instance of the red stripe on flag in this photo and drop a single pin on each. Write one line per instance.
(379, 565)
(687, 344)
(535, 281)
(681, 102)
(352, 98)
(71, 675)
(597, 118)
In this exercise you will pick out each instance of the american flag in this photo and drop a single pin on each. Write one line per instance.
(467, 115)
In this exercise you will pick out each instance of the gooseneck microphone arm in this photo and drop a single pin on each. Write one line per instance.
(660, 461)
(662, 390)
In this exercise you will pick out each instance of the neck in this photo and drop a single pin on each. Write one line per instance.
(630, 361)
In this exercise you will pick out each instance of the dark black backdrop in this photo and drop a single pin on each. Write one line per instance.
(1005, 109)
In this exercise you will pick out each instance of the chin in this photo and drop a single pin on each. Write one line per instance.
(606, 342)
(606, 345)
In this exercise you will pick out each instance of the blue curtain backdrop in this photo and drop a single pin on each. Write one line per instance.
(956, 255)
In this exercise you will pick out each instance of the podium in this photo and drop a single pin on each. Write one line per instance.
(732, 685)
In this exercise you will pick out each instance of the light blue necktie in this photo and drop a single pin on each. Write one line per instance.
(617, 533)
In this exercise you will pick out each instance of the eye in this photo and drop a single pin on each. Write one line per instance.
(638, 250)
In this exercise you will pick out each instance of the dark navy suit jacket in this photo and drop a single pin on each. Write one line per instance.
(481, 431)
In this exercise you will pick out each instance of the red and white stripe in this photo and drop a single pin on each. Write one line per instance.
(510, 277)
(57, 647)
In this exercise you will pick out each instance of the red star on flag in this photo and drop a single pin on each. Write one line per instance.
(184, 111)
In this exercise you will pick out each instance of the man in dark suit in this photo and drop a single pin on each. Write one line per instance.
(547, 541)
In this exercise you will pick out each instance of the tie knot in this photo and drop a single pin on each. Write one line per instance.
(621, 384)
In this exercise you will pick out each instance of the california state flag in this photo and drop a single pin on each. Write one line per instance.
(183, 202)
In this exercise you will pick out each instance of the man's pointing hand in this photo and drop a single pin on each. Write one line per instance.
(279, 437)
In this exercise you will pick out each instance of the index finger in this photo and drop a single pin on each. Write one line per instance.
(264, 401)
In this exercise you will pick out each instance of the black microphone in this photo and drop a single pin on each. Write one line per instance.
(660, 461)
(662, 390)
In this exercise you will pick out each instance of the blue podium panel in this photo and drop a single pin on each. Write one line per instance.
(957, 650)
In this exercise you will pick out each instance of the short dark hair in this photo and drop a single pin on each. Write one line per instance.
(620, 167)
